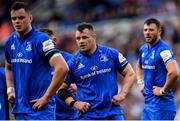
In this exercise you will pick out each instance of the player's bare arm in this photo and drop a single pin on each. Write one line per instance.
(60, 71)
(139, 75)
(129, 78)
(9, 83)
(172, 76)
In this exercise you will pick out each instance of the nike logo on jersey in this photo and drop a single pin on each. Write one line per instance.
(80, 66)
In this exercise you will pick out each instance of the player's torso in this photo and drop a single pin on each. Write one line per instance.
(97, 66)
(153, 67)
(96, 77)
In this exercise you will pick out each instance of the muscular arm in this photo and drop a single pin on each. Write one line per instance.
(139, 75)
(172, 75)
(9, 81)
(60, 71)
(129, 78)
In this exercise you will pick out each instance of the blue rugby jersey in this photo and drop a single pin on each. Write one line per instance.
(96, 80)
(4, 108)
(31, 70)
(153, 63)
(62, 110)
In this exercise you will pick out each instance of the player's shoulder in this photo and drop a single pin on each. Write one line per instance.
(106, 49)
(143, 47)
(78, 56)
(67, 56)
(2, 70)
(66, 53)
(40, 35)
(163, 45)
(11, 37)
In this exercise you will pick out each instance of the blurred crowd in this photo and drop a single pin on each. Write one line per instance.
(118, 24)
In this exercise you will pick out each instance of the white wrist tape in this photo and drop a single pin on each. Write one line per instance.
(162, 91)
(140, 81)
(10, 90)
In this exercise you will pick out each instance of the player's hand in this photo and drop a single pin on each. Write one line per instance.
(11, 97)
(82, 106)
(119, 98)
(72, 88)
(39, 103)
(156, 91)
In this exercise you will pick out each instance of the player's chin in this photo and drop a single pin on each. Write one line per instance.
(83, 49)
(148, 40)
(18, 30)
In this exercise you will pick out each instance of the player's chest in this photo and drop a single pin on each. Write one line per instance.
(90, 67)
(21, 50)
(150, 59)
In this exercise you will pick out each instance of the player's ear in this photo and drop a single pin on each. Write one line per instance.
(31, 17)
(94, 35)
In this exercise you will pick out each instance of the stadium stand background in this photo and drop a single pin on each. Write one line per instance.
(118, 24)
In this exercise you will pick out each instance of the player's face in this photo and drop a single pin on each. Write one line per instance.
(21, 20)
(86, 41)
(151, 33)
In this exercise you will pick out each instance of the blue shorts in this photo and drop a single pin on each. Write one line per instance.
(157, 115)
(36, 115)
(112, 117)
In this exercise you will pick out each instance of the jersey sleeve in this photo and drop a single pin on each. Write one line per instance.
(47, 47)
(167, 55)
(121, 62)
(7, 52)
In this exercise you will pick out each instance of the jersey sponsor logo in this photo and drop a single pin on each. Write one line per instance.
(48, 45)
(28, 47)
(146, 61)
(13, 47)
(103, 58)
(80, 66)
(21, 60)
(94, 73)
(148, 67)
(93, 68)
(166, 55)
(19, 54)
(121, 58)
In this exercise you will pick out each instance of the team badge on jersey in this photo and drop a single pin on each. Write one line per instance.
(152, 56)
(48, 45)
(28, 47)
(165, 55)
